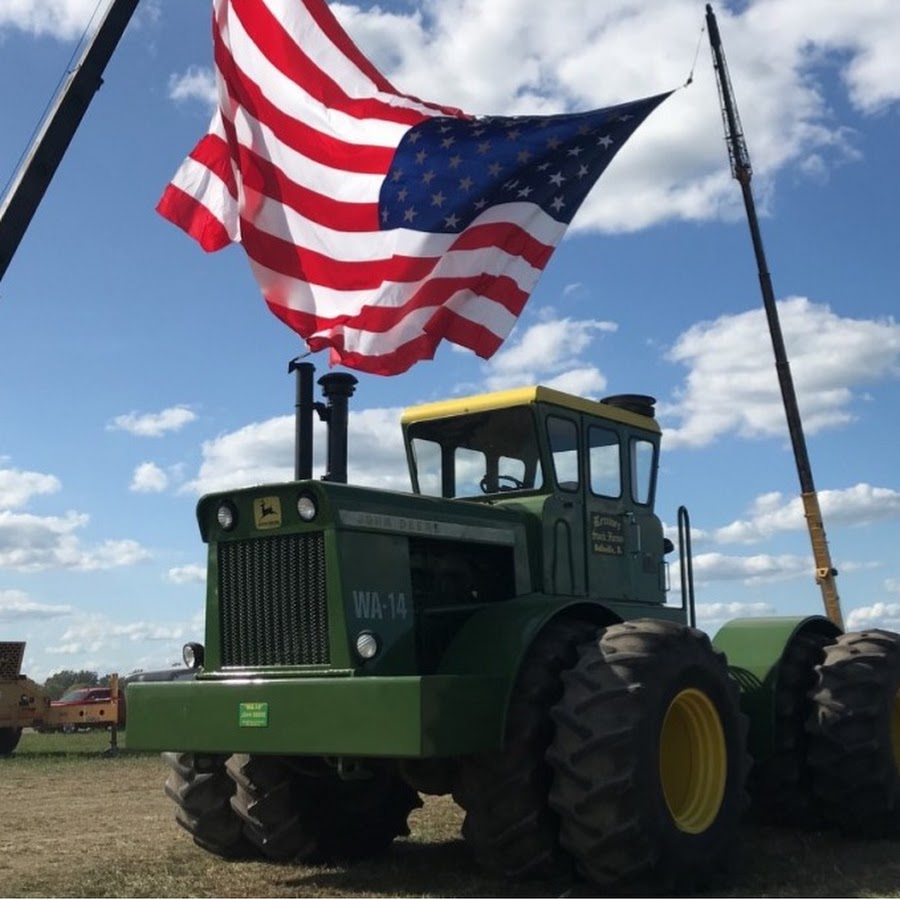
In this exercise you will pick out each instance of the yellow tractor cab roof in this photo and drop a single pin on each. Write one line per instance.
(629, 409)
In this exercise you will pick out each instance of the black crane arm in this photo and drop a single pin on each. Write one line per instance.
(52, 140)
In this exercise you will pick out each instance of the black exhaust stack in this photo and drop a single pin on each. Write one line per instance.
(338, 388)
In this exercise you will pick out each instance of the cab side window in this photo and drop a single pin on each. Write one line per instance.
(604, 462)
(643, 455)
(563, 437)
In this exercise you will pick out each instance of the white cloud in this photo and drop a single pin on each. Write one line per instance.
(197, 83)
(98, 635)
(263, 452)
(153, 424)
(878, 615)
(63, 19)
(549, 352)
(376, 456)
(30, 543)
(711, 616)
(258, 453)
(18, 487)
(731, 385)
(582, 381)
(149, 478)
(16, 605)
(98, 643)
(190, 574)
(771, 513)
(60, 18)
(758, 569)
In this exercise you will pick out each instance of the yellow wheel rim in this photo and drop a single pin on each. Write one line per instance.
(693, 760)
(895, 730)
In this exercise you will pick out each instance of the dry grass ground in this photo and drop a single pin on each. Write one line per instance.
(78, 824)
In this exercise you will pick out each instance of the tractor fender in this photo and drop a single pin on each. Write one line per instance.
(754, 648)
(494, 641)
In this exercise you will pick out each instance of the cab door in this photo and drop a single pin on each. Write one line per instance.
(608, 522)
(563, 513)
(644, 536)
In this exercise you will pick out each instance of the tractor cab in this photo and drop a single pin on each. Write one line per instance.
(586, 469)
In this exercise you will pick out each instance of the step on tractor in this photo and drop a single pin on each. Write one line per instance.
(503, 633)
(25, 704)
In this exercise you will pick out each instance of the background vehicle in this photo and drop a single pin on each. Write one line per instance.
(503, 634)
(25, 704)
(84, 698)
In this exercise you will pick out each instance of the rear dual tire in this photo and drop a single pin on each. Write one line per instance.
(780, 786)
(854, 734)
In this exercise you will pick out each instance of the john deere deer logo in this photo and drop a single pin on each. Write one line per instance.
(267, 512)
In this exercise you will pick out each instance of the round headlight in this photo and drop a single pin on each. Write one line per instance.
(306, 507)
(225, 516)
(366, 645)
(192, 654)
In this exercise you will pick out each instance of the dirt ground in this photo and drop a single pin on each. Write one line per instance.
(77, 824)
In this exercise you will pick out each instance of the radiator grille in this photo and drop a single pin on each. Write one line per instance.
(273, 601)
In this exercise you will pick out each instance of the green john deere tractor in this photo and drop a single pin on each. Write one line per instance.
(502, 634)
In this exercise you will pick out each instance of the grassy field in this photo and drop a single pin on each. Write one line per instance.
(76, 823)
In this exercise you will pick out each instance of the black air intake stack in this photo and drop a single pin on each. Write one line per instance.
(642, 404)
(338, 388)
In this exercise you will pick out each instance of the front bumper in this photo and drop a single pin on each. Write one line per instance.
(410, 716)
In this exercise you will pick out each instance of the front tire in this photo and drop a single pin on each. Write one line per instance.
(296, 810)
(649, 758)
(9, 740)
(508, 824)
(854, 734)
(202, 791)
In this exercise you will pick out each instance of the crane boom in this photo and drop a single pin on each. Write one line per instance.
(742, 171)
(43, 157)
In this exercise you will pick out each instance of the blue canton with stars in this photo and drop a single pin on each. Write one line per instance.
(446, 171)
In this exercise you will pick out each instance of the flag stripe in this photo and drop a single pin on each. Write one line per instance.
(272, 220)
(432, 295)
(290, 95)
(324, 18)
(212, 154)
(374, 275)
(295, 134)
(325, 77)
(315, 26)
(339, 184)
(192, 216)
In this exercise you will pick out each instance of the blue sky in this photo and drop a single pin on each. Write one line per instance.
(137, 372)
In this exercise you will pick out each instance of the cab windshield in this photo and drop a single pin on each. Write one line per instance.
(491, 452)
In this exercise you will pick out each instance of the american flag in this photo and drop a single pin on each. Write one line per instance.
(378, 225)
